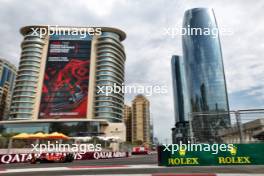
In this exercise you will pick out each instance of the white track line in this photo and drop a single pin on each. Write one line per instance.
(33, 170)
(119, 167)
(172, 174)
(79, 168)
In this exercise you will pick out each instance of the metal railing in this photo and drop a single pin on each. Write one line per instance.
(241, 126)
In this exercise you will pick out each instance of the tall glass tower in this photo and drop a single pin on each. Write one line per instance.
(205, 74)
(181, 107)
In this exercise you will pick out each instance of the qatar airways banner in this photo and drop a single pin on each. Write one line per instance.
(26, 157)
(66, 79)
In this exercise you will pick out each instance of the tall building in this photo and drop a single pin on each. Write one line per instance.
(179, 89)
(7, 80)
(128, 122)
(181, 107)
(205, 75)
(141, 120)
(63, 74)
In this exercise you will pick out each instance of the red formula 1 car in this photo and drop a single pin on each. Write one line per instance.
(140, 151)
(53, 158)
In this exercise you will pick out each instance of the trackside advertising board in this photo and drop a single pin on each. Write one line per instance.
(26, 157)
(240, 154)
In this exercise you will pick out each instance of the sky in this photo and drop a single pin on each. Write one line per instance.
(148, 47)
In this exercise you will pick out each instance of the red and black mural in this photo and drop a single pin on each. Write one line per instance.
(66, 80)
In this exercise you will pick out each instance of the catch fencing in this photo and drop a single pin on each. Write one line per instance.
(241, 126)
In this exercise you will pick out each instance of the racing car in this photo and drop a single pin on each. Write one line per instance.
(53, 158)
(140, 150)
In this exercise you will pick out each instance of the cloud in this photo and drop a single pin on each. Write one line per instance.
(148, 50)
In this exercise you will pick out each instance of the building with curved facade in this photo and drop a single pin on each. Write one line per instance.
(23, 100)
(7, 80)
(64, 72)
(204, 74)
(110, 64)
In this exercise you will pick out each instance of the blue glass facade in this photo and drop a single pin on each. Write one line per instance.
(7, 80)
(179, 89)
(8, 76)
(181, 106)
(205, 72)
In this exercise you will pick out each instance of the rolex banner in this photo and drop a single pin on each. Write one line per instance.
(240, 154)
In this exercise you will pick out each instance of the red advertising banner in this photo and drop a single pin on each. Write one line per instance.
(26, 157)
(66, 79)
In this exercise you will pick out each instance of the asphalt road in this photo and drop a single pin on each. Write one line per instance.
(144, 164)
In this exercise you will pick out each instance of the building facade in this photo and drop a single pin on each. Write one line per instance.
(7, 80)
(180, 132)
(180, 93)
(64, 72)
(204, 74)
(128, 122)
(141, 131)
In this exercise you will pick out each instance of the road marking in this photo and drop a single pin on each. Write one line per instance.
(239, 174)
(118, 175)
(173, 174)
(112, 167)
(32, 170)
(107, 167)
(165, 174)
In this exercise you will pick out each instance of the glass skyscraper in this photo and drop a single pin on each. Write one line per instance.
(205, 74)
(181, 106)
(7, 80)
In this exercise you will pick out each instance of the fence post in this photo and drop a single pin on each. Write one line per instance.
(191, 129)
